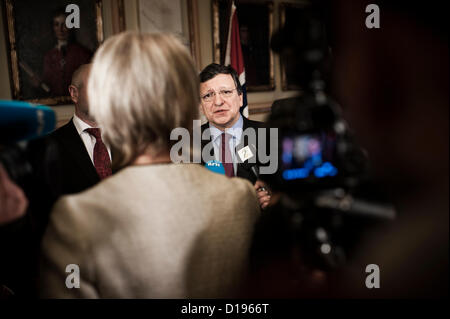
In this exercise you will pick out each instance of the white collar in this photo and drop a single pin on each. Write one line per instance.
(80, 125)
(235, 131)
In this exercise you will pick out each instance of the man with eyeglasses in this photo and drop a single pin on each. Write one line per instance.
(221, 99)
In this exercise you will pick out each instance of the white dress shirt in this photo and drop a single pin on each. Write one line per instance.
(236, 132)
(88, 140)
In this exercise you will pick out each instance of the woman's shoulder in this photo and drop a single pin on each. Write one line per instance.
(223, 186)
(101, 194)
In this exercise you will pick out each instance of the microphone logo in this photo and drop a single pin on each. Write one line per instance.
(216, 167)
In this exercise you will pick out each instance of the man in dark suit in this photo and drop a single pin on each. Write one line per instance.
(69, 160)
(221, 99)
(72, 158)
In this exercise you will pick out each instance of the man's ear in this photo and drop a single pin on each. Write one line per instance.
(73, 90)
(241, 99)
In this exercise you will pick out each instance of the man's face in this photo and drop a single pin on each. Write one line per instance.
(221, 111)
(60, 28)
(80, 98)
(82, 94)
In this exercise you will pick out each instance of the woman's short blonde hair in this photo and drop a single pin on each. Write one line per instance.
(142, 86)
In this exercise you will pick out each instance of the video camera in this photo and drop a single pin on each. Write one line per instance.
(328, 199)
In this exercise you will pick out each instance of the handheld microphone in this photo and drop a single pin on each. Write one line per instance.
(254, 168)
(255, 171)
(216, 167)
(21, 121)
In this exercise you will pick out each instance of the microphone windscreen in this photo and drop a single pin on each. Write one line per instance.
(21, 121)
(216, 167)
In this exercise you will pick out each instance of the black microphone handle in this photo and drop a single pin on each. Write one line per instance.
(255, 171)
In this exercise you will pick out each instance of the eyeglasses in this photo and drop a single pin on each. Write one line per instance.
(225, 93)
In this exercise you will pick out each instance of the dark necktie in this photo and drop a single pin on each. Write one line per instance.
(102, 162)
(226, 155)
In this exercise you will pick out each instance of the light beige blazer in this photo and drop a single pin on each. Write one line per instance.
(155, 231)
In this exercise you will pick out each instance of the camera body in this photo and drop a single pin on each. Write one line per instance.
(328, 198)
(316, 149)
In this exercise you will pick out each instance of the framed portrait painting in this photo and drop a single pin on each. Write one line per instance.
(255, 31)
(44, 50)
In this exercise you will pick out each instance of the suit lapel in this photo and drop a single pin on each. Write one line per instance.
(74, 146)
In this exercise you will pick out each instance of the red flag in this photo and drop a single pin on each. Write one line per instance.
(233, 55)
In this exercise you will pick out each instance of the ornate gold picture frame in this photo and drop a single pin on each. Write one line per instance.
(43, 58)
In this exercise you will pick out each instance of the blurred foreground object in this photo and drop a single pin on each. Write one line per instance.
(13, 202)
(327, 197)
(20, 122)
(24, 121)
(394, 82)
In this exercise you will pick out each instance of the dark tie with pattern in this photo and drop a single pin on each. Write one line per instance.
(102, 162)
(226, 155)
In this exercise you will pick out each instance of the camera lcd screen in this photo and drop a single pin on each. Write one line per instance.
(308, 156)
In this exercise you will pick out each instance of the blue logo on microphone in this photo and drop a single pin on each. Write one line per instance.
(216, 167)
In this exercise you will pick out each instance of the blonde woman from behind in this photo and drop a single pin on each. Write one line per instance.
(155, 229)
